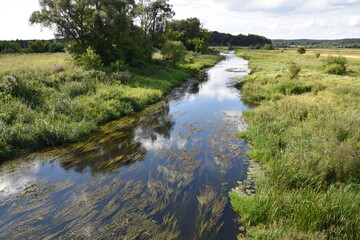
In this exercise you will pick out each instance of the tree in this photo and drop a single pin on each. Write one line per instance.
(38, 46)
(106, 26)
(190, 33)
(174, 50)
(153, 17)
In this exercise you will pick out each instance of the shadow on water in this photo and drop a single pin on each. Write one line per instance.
(163, 173)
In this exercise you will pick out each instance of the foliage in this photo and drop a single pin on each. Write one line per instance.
(268, 47)
(301, 50)
(223, 39)
(174, 50)
(313, 43)
(317, 54)
(38, 46)
(190, 33)
(91, 23)
(10, 47)
(308, 144)
(293, 69)
(30, 46)
(90, 60)
(200, 45)
(335, 65)
(154, 16)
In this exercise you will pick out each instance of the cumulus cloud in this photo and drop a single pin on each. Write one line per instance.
(317, 19)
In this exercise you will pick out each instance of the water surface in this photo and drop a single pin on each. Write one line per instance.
(163, 173)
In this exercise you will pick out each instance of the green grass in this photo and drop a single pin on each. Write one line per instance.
(306, 133)
(45, 100)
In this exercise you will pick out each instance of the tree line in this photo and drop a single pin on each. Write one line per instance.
(312, 43)
(227, 39)
(31, 46)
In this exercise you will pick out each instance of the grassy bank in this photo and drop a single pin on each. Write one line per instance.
(45, 100)
(306, 134)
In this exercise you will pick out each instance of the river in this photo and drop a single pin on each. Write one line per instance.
(163, 173)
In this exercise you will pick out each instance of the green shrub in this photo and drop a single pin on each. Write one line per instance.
(268, 47)
(293, 69)
(335, 65)
(301, 50)
(317, 54)
(174, 50)
(119, 65)
(90, 60)
(123, 77)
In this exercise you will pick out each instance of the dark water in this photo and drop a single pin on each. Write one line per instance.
(164, 173)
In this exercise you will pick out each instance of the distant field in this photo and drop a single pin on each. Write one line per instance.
(23, 62)
(349, 53)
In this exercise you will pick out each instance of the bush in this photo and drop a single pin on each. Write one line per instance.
(90, 60)
(56, 47)
(119, 65)
(174, 50)
(301, 50)
(293, 69)
(317, 54)
(335, 65)
(199, 45)
(123, 77)
(268, 47)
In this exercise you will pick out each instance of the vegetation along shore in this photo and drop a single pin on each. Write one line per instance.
(51, 101)
(306, 133)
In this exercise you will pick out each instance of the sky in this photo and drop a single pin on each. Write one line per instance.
(274, 19)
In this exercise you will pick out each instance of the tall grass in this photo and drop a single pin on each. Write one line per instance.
(308, 141)
(50, 101)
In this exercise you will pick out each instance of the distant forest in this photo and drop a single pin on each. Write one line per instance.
(32, 46)
(310, 43)
(226, 39)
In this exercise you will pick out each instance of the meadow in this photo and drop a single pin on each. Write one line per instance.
(46, 100)
(305, 132)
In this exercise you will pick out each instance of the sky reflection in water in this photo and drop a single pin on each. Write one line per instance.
(163, 173)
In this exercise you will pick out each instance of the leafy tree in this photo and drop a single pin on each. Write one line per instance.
(56, 47)
(104, 25)
(174, 50)
(153, 17)
(224, 39)
(187, 31)
(199, 45)
(10, 47)
(38, 46)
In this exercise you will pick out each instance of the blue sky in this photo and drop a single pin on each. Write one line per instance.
(316, 19)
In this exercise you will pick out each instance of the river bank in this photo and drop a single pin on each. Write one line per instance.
(305, 133)
(162, 173)
(47, 101)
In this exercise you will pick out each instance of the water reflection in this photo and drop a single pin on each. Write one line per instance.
(121, 143)
(163, 173)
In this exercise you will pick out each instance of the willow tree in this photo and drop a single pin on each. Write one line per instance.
(106, 26)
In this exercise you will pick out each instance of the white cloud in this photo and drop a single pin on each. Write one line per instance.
(317, 19)
(273, 19)
(354, 21)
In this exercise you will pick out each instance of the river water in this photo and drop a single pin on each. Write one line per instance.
(163, 173)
